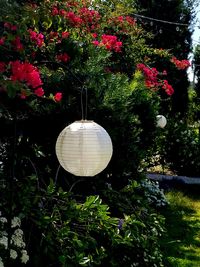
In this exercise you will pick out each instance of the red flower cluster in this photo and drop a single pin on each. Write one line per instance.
(25, 72)
(150, 74)
(180, 64)
(63, 57)
(39, 92)
(71, 3)
(10, 26)
(2, 40)
(72, 17)
(37, 38)
(17, 44)
(167, 87)
(54, 11)
(83, 17)
(69, 15)
(52, 36)
(65, 35)
(110, 42)
(89, 16)
(130, 20)
(152, 81)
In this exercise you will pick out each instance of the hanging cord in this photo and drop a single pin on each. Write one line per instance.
(82, 111)
(84, 103)
(83, 90)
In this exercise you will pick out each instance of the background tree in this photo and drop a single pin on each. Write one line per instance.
(175, 37)
(50, 53)
(196, 65)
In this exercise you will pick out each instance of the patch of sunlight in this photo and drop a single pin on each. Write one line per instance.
(183, 224)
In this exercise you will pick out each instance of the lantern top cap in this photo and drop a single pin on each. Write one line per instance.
(84, 121)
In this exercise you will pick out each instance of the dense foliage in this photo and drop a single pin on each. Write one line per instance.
(172, 29)
(53, 54)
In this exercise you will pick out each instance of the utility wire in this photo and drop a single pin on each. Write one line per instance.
(163, 21)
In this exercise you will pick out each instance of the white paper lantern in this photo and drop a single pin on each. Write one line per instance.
(161, 121)
(84, 148)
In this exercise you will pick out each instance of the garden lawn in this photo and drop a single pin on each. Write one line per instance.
(181, 242)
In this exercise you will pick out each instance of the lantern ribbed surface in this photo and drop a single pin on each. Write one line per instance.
(84, 148)
(161, 121)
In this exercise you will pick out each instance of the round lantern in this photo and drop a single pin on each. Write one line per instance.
(84, 148)
(161, 121)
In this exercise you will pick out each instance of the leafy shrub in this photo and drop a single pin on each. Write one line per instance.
(87, 234)
(153, 193)
(182, 148)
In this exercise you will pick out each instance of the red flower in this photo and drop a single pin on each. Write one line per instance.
(54, 11)
(13, 28)
(118, 46)
(25, 72)
(2, 40)
(52, 36)
(39, 92)
(37, 38)
(17, 43)
(180, 64)
(9, 26)
(109, 42)
(120, 18)
(94, 35)
(57, 97)
(2, 67)
(89, 16)
(96, 43)
(152, 81)
(63, 57)
(62, 12)
(23, 95)
(73, 18)
(164, 72)
(168, 88)
(65, 35)
(130, 20)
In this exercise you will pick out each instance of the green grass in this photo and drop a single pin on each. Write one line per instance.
(181, 242)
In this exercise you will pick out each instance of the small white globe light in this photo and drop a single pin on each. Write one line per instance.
(161, 121)
(84, 148)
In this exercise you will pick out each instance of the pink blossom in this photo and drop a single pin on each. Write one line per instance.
(63, 57)
(57, 97)
(2, 40)
(39, 92)
(65, 35)
(38, 38)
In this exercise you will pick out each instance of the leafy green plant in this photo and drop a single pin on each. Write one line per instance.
(182, 148)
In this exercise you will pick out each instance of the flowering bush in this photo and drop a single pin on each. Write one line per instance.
(152, 81)
(180, 64)
(12, 244)
(52, 51)
(29, 50)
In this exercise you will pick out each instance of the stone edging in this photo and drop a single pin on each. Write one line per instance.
(181, 179)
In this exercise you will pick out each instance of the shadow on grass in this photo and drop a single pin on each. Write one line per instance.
(181, 242)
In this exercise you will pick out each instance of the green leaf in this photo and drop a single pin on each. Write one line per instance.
(84, 261)
(12, 89)
(51, 187)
